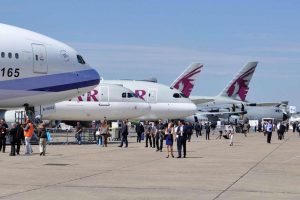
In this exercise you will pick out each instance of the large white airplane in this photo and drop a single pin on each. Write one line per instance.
(107, 101)
(165, 102)
(37, 70)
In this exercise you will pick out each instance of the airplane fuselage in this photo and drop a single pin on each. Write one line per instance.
(36, 69)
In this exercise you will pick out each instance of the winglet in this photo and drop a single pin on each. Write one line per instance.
(186, 81)
(238, 88)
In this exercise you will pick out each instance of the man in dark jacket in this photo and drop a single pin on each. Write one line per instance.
(3, 129)
(160, 134)
(198, 129)
(181, 137)
(139, 129)
(124, 134)
(189, 129)
(207, 130)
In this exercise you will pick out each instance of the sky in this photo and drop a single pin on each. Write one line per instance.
(140, 39)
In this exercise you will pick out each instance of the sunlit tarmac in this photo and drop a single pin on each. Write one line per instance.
(250, 169)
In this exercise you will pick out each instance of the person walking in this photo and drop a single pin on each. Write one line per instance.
(124, 134)
(148, 134)
(42, 138)
(207, 131)
(198, 129)
(189, 130)
(104, 132)
(78, 133)
(169, 132)
(28, 133)
(139, 129)
(269, 129)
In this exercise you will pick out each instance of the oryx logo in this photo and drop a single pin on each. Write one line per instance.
(240, 86)
(187, 81)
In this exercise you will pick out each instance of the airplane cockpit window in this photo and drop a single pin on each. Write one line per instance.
(80, 59)
(9, 55)
(131, 95)
(124, 95)
(176, 95)
(183, 95)
(2, 54)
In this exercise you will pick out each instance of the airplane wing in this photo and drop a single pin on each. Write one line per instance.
(201, 99)
(222, 114)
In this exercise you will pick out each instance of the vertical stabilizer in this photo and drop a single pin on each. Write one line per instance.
(186, 81)
(238, 88)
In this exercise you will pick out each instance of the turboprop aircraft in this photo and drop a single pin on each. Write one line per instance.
(37, 70)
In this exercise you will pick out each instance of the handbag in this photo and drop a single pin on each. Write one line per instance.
(97, 132)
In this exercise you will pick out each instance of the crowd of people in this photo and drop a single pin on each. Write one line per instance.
(22, 133)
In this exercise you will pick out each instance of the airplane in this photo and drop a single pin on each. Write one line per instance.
(106, 101)
(165, 102)
(249, 113)
(37, 70)
(212, 108)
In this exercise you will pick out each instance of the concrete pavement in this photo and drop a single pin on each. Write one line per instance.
(251, 169)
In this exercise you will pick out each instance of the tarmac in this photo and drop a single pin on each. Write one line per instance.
(250, 169)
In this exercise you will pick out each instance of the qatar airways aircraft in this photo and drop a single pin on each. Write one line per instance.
(165, 102)
(37, 70)
(235, 93)
(107, 101)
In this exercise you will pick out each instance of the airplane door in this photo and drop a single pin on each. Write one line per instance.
(104, 96)
(40, 63)
(152, 96)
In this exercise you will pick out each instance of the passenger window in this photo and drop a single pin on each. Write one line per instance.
(124, 95)
(36, 57)
(16, 55)
(2, 54)
(176, 95)
(80, 60)
(9, 55)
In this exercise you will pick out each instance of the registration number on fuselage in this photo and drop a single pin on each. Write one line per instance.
(10, 72)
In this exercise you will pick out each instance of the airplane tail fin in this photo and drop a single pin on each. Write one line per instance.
(186, 81)
(238, 88)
